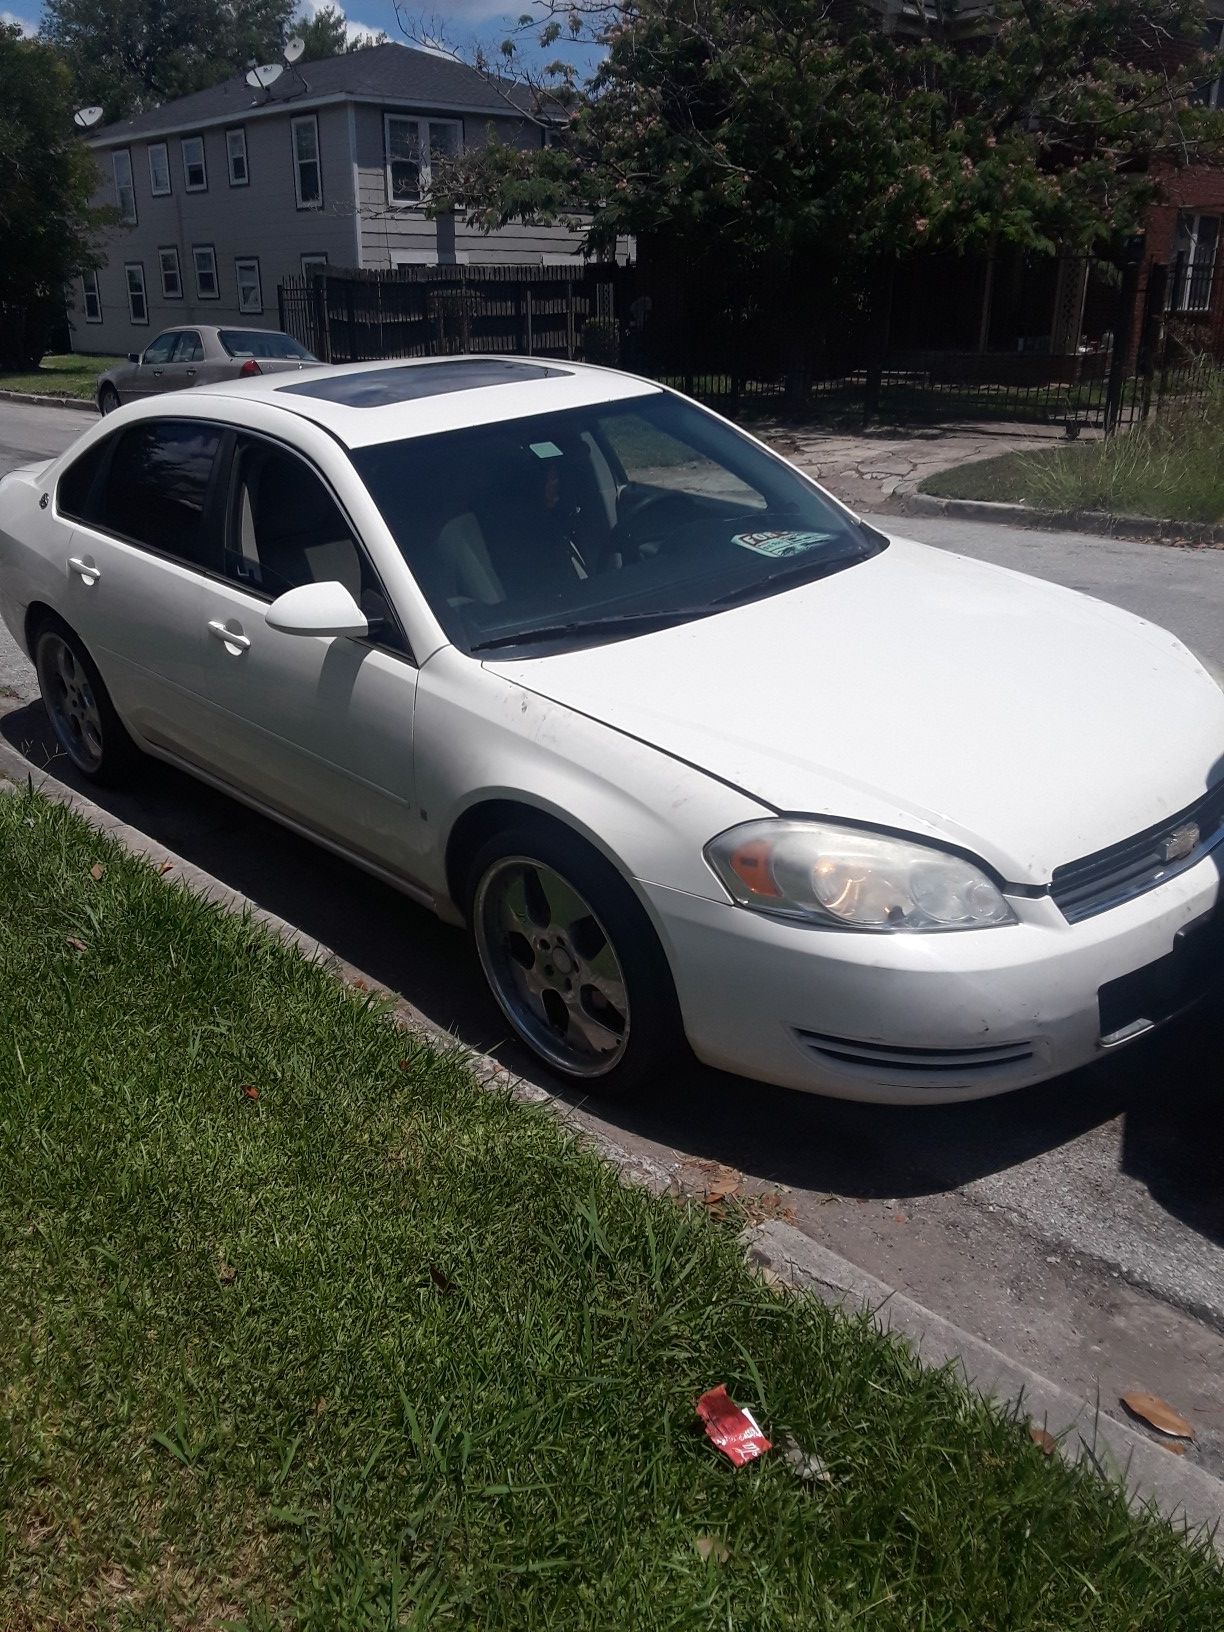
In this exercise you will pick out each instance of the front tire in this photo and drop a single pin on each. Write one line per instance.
(573, 961)
(78, 703)
(108, 400)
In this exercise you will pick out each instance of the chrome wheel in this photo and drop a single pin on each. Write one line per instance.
(552, 966)
(69, 695)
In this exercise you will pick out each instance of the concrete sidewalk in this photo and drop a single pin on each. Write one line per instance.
(871, 469)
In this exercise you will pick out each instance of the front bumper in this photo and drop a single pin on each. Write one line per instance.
(918, 1018)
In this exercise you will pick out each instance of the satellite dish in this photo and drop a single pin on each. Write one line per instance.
(84, 117)
(294, 48)
(266, 73)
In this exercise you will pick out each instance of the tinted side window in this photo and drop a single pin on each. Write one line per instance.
(285, 529)
(158, 487)
(76, 484)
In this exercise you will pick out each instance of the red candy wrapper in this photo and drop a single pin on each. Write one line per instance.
(730, 1427)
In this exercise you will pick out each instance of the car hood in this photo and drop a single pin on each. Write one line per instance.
(921, 690)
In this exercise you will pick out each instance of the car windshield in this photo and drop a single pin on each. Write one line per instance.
(265, 343)
(600, 522)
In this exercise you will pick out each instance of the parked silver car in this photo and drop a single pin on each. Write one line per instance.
(198, 354)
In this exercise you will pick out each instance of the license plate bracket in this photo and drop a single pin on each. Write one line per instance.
(1162, 989)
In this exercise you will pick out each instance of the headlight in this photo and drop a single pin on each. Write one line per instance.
(849, 878)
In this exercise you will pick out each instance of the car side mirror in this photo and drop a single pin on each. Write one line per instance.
(317, 609)
(134, 357)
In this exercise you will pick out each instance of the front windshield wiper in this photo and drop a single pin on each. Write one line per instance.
(614, 623)
(808, 574)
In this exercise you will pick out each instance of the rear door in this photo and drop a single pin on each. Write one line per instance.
(184, 366)
(144, 541)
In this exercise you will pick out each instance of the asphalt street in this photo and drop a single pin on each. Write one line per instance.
(1078, 1226)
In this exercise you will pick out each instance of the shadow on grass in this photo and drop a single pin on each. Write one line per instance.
(1167, 1086)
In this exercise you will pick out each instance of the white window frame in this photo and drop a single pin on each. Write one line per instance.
(312, 263)
(237, 152)
(1192, 280)
(166, 187)
(188, 164)
(91, 290)
(132, 293)
(121, 160)
(241, 264)
(162, 253)
(210, 251)
(425, 168)
(294, 125)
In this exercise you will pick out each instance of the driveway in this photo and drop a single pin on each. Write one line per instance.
(1078, 1226)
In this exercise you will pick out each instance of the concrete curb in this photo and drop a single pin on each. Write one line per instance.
(76, 403)
(1152, 1477)
(1147, 529)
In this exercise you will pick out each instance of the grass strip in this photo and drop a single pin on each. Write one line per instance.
(304, 1329)
(62, 375)
(1168, 467)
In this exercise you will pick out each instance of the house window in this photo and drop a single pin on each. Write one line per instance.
(125, 193)
(204, 258)
(1194, 258)
(307, 176)
(195, 171)
(250, 295)
(171, 274)
(411, 146)
(159, 169)
(92, 297)
(138, 307)
(236, 153)
(1211, 95)
(312, 263)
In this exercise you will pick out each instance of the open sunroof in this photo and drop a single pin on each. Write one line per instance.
(379, 387)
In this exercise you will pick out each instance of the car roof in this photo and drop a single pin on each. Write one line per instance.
(362, 404)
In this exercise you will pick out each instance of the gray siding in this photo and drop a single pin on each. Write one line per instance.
(389, 231)
(261, 220)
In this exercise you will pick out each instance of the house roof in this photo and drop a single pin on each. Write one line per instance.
(390, 73)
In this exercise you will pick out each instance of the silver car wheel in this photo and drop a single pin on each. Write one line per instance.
(551, 966)
(69, 696)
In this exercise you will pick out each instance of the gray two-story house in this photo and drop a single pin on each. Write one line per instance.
(224, 193)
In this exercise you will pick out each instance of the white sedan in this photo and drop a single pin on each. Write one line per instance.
(693, 751)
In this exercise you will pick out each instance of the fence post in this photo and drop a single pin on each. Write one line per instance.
(322, 324)
(1124, 325)
(1153, 310)
(350, 307)
(527, 309)
(569, 319)
(880, 319)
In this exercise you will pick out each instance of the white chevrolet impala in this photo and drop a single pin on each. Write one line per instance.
(695, 753)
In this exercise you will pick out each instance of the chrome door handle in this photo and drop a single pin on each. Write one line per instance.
(84, 569)
(229, 636)
(190, 373)
(157, 373)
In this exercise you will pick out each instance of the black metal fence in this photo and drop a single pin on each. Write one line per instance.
(1072, 340)
(426, 311)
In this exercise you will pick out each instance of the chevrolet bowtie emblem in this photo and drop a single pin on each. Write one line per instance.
(1181, 842)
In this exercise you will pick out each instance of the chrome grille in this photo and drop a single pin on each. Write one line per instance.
(1103, 880)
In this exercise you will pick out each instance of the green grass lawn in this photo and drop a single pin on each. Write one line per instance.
(62, 376)
(304, 1329)
(1170, 467)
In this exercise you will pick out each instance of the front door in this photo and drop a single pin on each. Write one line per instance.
(153, 374)
(316, 727)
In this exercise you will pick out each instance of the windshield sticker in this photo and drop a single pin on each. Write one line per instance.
(545, 450)
(780, 543)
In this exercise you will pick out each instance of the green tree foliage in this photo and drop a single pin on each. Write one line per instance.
(790, 124)
(326, 35)
(127, 55)
(46, 180)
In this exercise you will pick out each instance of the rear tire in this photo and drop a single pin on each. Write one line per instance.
(79, 706)
(573, 961)
(108, 399)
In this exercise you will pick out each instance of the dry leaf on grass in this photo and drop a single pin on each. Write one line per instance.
(709, 1547)
(1157, 1414)
(809, 1467)
(725, 1183)
(442, 1281)
(250, 1092)
(226, 1273)
(166, 867)
(75, 942)
(97, 872)
(1043, 1439)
